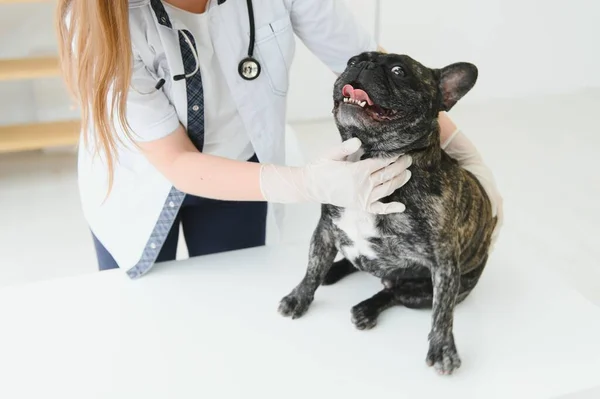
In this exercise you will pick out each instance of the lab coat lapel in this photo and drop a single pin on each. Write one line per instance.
(229, 30)
(169, 38)
(229, 27)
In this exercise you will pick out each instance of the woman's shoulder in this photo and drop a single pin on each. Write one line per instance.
(141, 24)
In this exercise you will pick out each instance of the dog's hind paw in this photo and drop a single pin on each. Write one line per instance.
(294, 306)
(364, 317)
(443, 356)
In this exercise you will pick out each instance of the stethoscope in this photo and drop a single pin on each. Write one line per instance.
(248, 68)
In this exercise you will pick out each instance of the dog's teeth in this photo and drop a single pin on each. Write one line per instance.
(362, 104)
(345, 99)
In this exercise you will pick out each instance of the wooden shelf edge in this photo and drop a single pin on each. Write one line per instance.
(37, 136)
(28, 68)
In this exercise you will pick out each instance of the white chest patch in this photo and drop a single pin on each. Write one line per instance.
(359, 227)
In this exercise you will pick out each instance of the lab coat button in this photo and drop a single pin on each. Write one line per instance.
(171, 204)
(195, 108)
(153, 246)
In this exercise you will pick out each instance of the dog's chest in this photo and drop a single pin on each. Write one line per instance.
(359, 229)
(379, 244)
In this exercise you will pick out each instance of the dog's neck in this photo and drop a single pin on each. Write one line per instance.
(425, 152)
(430, 155)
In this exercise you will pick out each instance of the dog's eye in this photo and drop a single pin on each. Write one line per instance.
(352, 62)
(397, 70)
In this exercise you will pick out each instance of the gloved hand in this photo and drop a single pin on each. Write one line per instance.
(459, 147)
(334, 180)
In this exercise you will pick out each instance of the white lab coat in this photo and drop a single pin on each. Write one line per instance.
(125, 220)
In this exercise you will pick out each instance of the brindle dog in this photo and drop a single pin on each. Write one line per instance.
(431, 255)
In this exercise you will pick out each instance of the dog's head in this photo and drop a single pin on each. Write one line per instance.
(391, 102)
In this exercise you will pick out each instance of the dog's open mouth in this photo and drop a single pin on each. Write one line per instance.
(360, 98)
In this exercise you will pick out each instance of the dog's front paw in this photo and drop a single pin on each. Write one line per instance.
(294, 305)
(442, 355)
(364, 316)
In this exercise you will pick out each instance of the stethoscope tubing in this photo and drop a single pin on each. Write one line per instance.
(249, 68)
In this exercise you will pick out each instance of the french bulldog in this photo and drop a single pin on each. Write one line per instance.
(431, 255)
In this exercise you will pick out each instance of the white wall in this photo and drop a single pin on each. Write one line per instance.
(522, 47)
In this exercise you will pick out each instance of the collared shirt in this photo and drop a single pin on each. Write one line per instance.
(134, 220)
(224, 133)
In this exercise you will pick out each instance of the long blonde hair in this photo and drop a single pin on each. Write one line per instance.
(96, 62)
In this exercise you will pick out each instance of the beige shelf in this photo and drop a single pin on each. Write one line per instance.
(38, 135)
(35, 135)
(28, 68)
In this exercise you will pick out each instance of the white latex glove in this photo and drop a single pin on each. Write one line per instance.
(459, 147)
(334, 180)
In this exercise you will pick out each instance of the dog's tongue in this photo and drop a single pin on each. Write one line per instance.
(356, 94)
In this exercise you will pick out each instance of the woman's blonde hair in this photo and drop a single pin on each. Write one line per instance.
(95, 57)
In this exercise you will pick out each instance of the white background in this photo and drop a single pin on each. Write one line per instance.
(539, 86)
(522, 48)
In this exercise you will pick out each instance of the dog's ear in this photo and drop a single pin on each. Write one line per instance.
(455, 81)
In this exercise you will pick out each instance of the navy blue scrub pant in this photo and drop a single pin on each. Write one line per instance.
(209, 226)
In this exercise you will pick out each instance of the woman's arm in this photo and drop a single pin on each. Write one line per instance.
(203, 175)
(156, 129)
(330, 30)
(330, 180)
(447, 127)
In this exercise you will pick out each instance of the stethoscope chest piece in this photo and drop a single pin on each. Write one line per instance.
(249, 68)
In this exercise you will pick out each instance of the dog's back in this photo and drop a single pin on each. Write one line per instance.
(465, 215)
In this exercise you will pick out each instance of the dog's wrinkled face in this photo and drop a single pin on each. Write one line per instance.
(391, 102)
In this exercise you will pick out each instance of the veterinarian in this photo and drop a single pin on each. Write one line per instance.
(183, 106)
